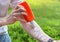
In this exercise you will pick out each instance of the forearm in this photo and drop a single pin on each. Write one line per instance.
(36, 32)
(3, 22)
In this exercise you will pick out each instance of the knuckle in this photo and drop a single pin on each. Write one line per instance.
(13, 14)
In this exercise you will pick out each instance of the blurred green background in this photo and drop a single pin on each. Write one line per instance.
(47, 15)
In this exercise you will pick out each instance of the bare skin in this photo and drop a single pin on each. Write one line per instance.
(31, 30)
(16, 15)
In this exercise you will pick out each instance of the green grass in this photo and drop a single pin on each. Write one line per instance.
(47, 15)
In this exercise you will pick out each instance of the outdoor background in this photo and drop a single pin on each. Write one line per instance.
(47, 15)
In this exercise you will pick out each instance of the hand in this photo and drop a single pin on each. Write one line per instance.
(16, 15)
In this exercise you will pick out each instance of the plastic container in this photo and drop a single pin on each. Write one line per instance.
(30, 16)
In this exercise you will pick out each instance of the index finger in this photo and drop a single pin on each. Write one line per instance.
(20, 8)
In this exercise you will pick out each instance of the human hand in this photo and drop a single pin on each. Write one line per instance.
(16, 15)
(20, 10)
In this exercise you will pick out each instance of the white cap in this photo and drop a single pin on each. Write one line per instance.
(21, 0)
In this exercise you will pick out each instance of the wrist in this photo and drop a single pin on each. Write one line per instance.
(2, 22)
(5, 22)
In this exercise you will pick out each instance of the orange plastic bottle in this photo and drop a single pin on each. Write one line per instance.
(29, 12)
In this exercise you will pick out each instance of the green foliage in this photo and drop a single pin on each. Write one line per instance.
(47, 15)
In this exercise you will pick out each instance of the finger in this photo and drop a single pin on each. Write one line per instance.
(22, 20)
(16, 14)
(19, 14)
(19, 6)
(21, 9)
(16, 7)
(23, 13)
